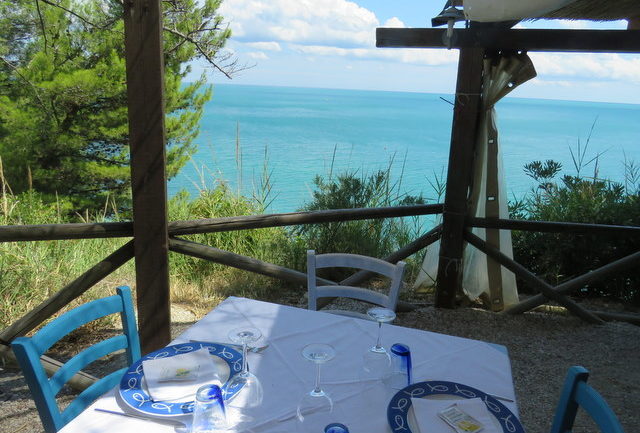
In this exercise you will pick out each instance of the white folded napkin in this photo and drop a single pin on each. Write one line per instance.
(179, 377)
(426, 414)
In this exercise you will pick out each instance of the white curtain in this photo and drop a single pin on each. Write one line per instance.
(482, 277)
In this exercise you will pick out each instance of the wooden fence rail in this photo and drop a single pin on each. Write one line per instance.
(67, 294)
(250, 264)
(538, 284)
(48, 232)
(578, 282)
(550, 226)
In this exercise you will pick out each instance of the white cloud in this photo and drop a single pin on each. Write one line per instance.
(258, 55)
(416, 56)
(394, 22)
(266, 46)
(588, 66)
(339, 23)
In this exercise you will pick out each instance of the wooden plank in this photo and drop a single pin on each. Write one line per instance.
(578, 282)
(530, 278)
(50, 232)
(42, 232)
(463, 138)
(239, 261)
(79, 381)
(553, 226)
(250, 264)
(592, 41)
(67, 294)
(145, 92)
(296, 218)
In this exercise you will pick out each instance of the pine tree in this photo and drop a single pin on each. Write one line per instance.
(63, 106)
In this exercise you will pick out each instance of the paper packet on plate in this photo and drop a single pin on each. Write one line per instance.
(461, 421)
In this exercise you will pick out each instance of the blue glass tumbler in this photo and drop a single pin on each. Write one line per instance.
(208, 412)
(336, 428)
(400, 365)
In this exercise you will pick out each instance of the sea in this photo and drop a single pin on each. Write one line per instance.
(289, 135)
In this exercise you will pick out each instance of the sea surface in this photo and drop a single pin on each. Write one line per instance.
(294, 134)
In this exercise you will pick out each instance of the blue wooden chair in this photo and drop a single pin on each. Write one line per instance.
(338, 260)
(577, 393)
(44, 390)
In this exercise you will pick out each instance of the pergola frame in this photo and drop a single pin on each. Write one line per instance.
(474, 43)
(154, 236)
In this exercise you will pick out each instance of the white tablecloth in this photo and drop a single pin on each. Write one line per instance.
(286, 375)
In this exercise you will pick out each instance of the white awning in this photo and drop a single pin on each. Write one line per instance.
(507, 10)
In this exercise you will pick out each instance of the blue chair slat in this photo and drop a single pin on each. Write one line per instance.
(43, 389)
(577, 393)
(73, 319)
(89, 395)
(84, 358)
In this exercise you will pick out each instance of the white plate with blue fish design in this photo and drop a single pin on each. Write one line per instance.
(134, 393)
(400, 415)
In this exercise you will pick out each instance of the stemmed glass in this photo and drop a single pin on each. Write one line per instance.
(251, 391)
(376, 361)
(316, 405)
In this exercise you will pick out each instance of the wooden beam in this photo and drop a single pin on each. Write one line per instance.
(592, 41)
(553, 226)
(67, 294)
(250, 264)
(535, 282)
(48, 232)
(145, 91)
(297, 218)
(459, 174)
(79, 381)
(578, 282)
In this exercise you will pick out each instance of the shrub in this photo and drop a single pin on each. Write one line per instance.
(561, 256)
(376, 237)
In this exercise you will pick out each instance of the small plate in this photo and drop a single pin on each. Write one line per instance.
(398, 409)
(133, 389)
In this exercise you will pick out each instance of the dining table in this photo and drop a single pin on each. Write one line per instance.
(286, 375)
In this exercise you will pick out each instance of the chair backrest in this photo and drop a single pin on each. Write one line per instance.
(44, 390)
(338, 260)
(577, 393)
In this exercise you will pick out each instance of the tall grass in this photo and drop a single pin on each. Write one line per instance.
(32, 271)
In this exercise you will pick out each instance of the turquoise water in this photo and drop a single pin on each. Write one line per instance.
(300, 128)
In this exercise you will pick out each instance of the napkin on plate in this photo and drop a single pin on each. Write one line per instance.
(179, 377)
(426, 414)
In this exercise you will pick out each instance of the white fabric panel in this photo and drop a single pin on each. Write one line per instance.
(502, 75)
(506, 10)
(286, 375)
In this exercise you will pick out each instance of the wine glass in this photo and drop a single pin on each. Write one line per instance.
(315, 407)
(376, 361)
(251, 392)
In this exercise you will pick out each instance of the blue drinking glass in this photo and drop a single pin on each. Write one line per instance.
(209, 413)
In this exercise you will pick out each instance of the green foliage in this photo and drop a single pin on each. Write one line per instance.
(376, 237)
(268, 244)
(63, 112)
(560, 256)
(33, 271)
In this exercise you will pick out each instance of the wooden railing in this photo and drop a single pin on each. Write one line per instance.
(177, 228)
(125, 229)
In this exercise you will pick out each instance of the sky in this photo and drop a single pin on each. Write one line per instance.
(331, 44)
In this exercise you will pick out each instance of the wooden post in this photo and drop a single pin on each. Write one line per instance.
(145, 91)
(459, 174)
